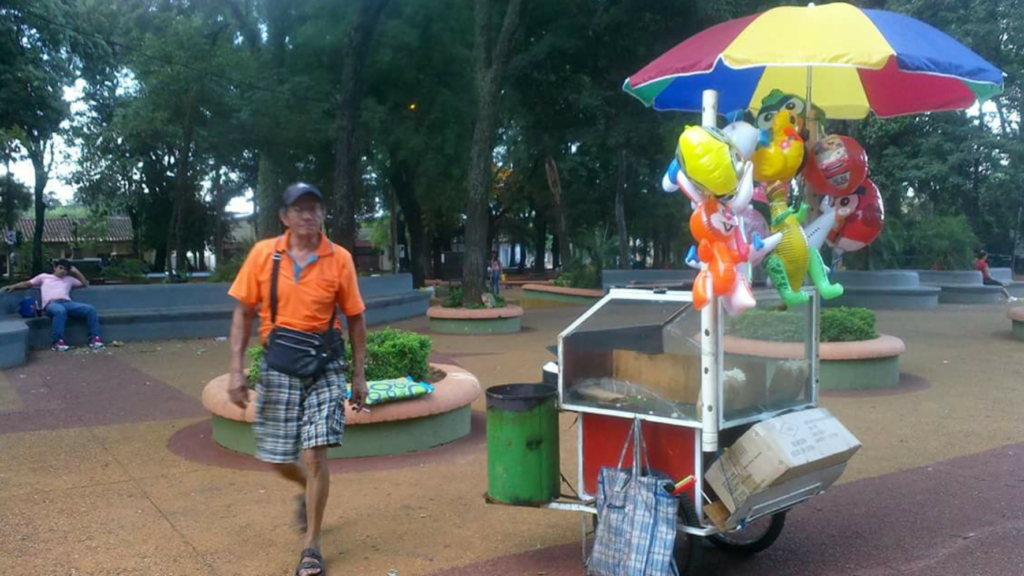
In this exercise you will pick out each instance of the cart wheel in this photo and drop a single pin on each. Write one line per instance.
(756, 537)
(689, 550)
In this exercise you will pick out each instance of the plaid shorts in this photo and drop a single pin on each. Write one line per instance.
(293, 414)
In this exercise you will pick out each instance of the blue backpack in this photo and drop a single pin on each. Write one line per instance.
(27, 307)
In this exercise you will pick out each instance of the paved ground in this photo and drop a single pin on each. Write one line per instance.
(106, 468)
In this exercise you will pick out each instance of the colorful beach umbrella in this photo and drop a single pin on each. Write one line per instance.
(856, 61)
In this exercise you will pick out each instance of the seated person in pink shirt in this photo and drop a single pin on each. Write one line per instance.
(56, 293)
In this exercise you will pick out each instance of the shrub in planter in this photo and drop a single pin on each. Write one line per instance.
(454, 300)
(837, 325)
(390, 353)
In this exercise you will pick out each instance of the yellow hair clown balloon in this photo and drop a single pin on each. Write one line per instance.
(710, 159)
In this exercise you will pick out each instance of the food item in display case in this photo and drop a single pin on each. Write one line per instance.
(632, 397)
(789, 381)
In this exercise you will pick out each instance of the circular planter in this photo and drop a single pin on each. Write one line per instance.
(857, 365)
(547, 296)
(1016, 315)
(392, 428)
(504, 320)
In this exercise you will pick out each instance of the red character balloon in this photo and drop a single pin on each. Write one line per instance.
(837, 166)
(859, 218)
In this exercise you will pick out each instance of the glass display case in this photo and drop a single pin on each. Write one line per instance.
(637, 353)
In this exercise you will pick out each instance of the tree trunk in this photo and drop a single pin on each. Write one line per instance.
(620, 213)
(540, 241)
(176, 237)
(561, 223)
(412, 214)
(556, 258)
(37, 154)
(269, 187)
(490, 69)
(350, 98)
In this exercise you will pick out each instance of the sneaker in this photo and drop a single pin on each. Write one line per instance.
(60, 346)
(96, 343)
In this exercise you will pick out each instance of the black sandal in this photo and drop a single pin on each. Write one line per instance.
(300, 513)
(316, 564)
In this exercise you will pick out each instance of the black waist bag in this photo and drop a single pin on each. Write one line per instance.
(297, 352)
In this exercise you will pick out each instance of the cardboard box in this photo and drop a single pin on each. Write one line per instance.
(778, 450)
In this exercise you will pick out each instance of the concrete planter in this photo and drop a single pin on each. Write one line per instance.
(504, 320)
(861, 365)
(547, 296)
(393, 428)
(1016, 316)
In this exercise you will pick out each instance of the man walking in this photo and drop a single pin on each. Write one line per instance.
(299, 415)
(55, 290)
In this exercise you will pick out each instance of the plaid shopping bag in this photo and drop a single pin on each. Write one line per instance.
(636, 529)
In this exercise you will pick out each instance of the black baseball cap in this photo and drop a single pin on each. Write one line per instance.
(298, 190)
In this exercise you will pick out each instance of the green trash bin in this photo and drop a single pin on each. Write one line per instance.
(522, 444)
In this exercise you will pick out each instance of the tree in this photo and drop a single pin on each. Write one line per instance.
(346, 151)
(418, 133)
(39, 57)
(491, 62)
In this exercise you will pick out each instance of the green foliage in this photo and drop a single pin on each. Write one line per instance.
(580, 276)
(125, 270)
(454, 300)
(844, 324)
(840, 324)
(392, 353)
(944, 243)
(255, 354)
(227, 271)
(15, 199)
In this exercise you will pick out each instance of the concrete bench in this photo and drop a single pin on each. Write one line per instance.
(884, 290)
(166, 311)
(679, 279)
(961, 286)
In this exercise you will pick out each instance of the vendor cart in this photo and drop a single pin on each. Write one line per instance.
(696, 381)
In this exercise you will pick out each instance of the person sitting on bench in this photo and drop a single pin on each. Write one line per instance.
(55, 290)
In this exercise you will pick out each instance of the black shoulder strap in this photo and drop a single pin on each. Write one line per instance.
(273, 287)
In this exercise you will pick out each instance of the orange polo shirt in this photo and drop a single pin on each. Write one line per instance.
(304, 301)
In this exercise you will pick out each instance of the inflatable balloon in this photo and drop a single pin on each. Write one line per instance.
(837, 167)
(744, 136)
(710, 160)
(781, 158)
(720, 250)
(859, 218)
(794, 258)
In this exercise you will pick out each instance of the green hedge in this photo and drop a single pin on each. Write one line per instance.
(390, 353)
(837, 325)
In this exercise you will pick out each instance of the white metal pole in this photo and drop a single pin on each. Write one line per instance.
(709, 328)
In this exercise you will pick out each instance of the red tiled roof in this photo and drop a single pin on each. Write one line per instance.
(61, 229)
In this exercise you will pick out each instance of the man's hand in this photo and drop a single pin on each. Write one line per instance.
(74, 270)
(359, 392)
(238, 390)
(9, 288)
